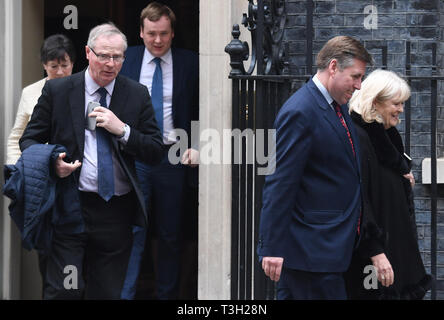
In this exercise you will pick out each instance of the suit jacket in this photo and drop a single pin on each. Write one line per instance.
(59, 118)
(185, 106)
(311, 203)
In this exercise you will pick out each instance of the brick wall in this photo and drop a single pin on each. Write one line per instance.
(398, 21)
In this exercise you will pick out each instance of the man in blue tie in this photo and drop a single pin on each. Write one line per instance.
(171, 75)
(102, 163)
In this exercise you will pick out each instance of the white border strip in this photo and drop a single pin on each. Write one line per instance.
(12, 82)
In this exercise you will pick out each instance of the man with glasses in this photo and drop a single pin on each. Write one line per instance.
(101, 161)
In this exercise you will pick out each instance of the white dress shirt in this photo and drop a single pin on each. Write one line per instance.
(326, 95)
(88, 174)
(323, 90)
(146, 78)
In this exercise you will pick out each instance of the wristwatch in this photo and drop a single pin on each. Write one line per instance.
(125, 130)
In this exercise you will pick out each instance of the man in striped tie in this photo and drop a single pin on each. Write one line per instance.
(312, 202)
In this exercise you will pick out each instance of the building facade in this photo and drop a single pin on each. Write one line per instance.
(409, 31)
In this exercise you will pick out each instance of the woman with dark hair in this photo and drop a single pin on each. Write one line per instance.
(389, 236)
(57, 55)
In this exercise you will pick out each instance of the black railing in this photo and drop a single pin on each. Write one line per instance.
(248, 113)
(256, 100)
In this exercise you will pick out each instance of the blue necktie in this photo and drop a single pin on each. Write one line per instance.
(105, 174)
(157, 93)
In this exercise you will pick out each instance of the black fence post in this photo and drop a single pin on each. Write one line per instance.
(407, 113)
(234, 195)
(433, 189)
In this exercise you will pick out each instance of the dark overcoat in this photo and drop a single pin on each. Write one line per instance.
(388, 224)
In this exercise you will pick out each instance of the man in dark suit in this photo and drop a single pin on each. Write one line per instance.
(168, 185)
(312, 202)
(101, 159)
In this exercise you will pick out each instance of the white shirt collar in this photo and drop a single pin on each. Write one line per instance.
(166, 58)
(323, 90)
(91, 86)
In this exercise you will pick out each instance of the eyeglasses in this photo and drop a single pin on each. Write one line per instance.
(106, 58)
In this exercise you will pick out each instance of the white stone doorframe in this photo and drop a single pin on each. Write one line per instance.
(11, 87)
(216, 20)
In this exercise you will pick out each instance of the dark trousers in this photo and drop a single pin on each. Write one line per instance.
(163, 189)
(304, 285)
(93, 264)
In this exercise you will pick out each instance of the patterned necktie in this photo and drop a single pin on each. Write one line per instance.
(341, 118)
(105, 174)
(157, 93)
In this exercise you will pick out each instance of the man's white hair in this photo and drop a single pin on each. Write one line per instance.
(105, 29)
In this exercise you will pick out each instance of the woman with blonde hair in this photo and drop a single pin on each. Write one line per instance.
(389, 237)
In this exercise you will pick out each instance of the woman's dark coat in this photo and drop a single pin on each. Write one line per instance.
(388, 221)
